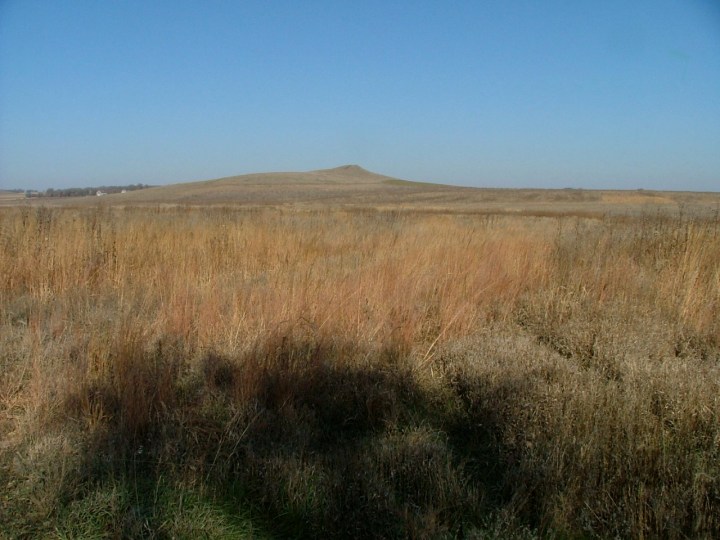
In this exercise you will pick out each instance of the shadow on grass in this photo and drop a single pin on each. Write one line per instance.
(303, 438)
(296, 439)
(300, 437)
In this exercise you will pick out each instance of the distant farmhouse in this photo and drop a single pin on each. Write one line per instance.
(97, 191)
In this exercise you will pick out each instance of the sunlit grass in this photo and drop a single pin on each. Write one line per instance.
(357, 373)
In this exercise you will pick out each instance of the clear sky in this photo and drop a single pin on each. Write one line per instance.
(596, 94)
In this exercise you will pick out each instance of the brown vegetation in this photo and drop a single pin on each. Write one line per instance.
(353, 188)
(357, 373)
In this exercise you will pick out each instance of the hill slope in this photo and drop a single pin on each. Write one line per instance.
(342, 185)
(351, 186)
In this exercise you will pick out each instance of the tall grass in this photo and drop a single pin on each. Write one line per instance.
(357, 373)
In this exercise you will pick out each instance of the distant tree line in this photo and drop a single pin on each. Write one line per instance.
(87, 191)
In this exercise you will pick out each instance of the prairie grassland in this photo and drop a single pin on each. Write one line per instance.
(270, 373)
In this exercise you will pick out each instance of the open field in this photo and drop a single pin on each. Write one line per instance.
(10, 197)
(351, 188)
(395, 366)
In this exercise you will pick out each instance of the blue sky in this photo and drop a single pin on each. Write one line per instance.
(611, 94)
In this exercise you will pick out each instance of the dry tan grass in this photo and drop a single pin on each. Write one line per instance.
(556, 374)
(351, 187)
(630, 197)
(11, 197)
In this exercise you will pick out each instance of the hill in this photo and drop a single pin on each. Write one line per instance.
(349, 184)
(353, 187)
